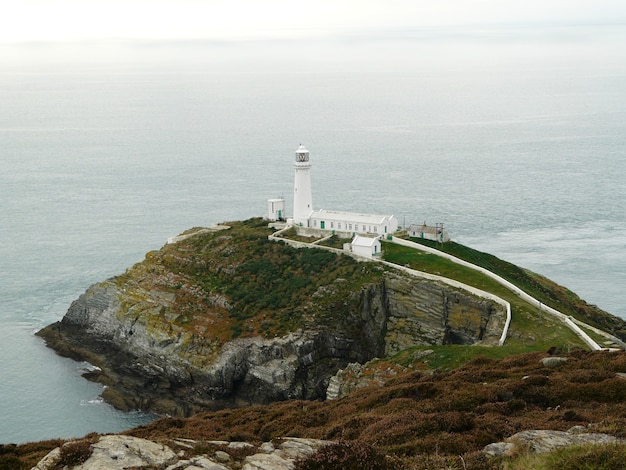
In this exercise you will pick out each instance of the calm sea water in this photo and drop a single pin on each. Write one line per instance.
(514, 140)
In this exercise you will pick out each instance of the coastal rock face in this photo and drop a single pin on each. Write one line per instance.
(162, 335)
(148, 368)
(427, 312)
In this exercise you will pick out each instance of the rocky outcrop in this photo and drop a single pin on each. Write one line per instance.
(144, 375)
(541, 441)
(356, 376)
(162, 339)
(122, 452)
(427, 312)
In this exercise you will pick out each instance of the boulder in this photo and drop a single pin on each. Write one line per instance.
(553, 361)
(540, 441)
(114, 452)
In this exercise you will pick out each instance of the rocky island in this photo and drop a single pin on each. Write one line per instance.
(227, 317)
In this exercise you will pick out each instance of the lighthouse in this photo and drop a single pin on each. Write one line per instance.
(302, 196)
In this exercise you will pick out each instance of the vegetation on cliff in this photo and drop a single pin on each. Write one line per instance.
(236, 283)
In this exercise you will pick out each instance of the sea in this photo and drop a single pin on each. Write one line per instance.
(513, 137)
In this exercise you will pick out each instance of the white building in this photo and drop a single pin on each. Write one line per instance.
(353, 222)
(276, 209)
(365, 246)
(347, 222)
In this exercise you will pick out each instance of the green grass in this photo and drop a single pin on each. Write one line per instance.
(584, 457)
(447, 357)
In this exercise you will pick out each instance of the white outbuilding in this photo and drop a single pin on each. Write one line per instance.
(365, 246)
(276, 209)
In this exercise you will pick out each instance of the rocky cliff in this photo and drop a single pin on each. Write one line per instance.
(226, 318)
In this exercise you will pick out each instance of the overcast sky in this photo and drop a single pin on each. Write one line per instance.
(51, 20)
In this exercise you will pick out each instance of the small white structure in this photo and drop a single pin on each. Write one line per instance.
(302, 194)
(365, 246)
(428, 232)
(276, 209)
(352, 222)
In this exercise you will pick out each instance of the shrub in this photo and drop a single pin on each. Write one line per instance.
(345, 456)
(75, 453)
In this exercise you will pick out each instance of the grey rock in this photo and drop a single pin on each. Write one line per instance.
(553, 361)
(498, 449)
(239, 445)
(540, 441)
(294, 447)
(50, 461)
(345, 381)
(222, 456)
(179, 465)
(207, 464)
(119, 452)
(267, 462)
(267, 447)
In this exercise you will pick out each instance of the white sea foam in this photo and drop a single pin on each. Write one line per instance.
(92, 401)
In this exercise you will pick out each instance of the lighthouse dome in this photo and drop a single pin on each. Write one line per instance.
(302, 154)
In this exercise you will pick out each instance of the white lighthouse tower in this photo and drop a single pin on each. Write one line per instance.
(302, 196)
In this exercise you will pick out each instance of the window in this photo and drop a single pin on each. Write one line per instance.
(375, 229)
(332, 225)
(339, 225)
(349, 226)
(364, 229)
